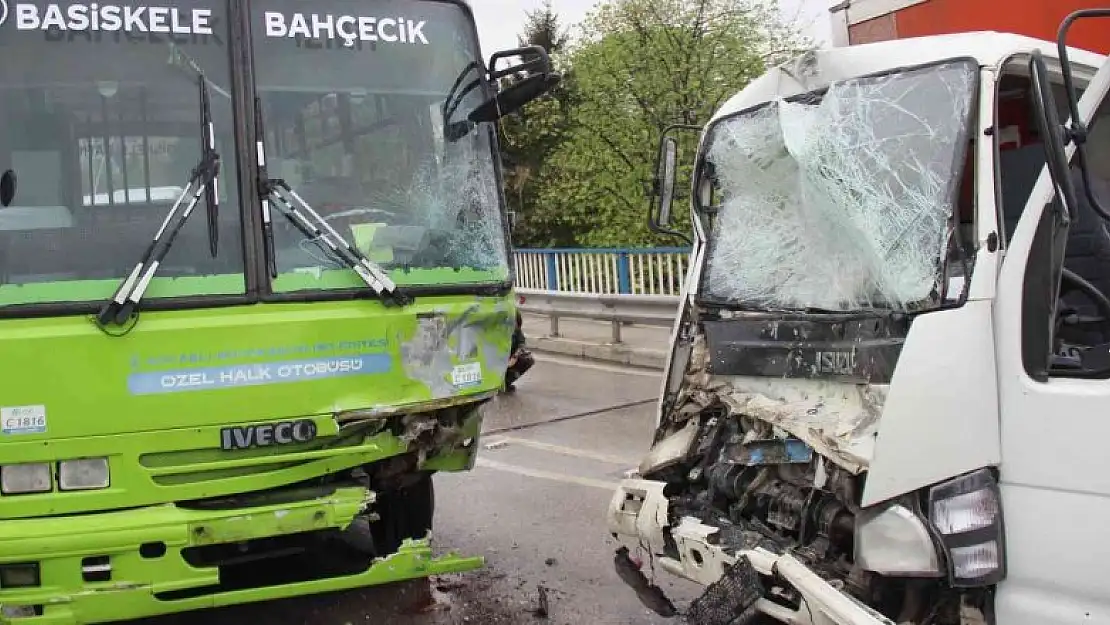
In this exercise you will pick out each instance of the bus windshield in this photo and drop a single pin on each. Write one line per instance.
(352, 94)
(101, 118)
(101, 125)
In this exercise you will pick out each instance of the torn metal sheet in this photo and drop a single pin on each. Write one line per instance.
(839, 421)
(670, 450)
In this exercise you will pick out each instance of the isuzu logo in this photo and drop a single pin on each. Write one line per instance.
(267, 434)
(837, 363)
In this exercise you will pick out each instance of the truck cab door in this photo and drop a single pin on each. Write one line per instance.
(1055, 418)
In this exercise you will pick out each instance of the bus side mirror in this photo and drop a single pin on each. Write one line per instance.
(531, 78)
(7, 188)
(512, 98)
(663, 185)
(527, 80)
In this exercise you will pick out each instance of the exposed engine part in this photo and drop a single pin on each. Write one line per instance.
(763, 489)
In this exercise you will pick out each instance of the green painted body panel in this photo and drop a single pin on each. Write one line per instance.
(154, 402)
(60, 544)
(232, 365)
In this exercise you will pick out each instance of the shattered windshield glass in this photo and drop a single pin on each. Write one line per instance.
(840, 200)
(352, 96)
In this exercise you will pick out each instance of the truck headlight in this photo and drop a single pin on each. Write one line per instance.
(83, 474)
(895, 541)
(967, 514)
(18, 479)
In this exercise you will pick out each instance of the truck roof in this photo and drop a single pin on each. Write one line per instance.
(842, 63)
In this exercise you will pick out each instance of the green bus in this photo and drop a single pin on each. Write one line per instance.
(254, 288)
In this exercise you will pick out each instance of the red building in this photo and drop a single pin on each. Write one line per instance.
(865, 21)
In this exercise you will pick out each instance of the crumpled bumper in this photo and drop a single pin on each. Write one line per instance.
(640, 511)
(143, 581)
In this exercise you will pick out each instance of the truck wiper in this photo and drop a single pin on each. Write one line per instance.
(275, 192)
(203, 180)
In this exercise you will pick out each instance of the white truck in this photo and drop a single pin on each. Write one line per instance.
(888, 399)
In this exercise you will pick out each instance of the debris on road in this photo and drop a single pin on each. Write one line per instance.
(496, 443)
(542, 609)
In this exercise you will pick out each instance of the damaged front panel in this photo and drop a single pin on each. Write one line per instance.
(461, 352)
(857, 349)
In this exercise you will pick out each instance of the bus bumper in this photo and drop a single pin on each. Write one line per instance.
(136, 559)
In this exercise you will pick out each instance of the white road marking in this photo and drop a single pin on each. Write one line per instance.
(502, 441)
(546, 475)
(582, 363)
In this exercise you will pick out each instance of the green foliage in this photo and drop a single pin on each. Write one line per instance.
(529, 136)
(583, 158)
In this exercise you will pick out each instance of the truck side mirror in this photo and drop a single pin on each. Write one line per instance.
(1076, 130)
(1053, 135)
(663, 186)
(7, 188)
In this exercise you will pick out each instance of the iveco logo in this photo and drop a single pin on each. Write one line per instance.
(267, 434)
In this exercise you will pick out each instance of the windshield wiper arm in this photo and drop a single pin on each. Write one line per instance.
(203, 180)
(276, 193)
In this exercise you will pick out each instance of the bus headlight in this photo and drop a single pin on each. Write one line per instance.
(83, 474)
(967, 514)
(19, 479)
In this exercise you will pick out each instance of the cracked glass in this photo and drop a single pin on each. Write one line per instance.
(840, 200)
(352, 96)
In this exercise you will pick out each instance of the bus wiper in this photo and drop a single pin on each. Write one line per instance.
(275, 192)
(203, 180)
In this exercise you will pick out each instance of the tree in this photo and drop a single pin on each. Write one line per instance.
(531, 135)
(642, 66)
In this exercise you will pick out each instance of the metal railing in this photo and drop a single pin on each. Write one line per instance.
(619, 310)
(617, 271)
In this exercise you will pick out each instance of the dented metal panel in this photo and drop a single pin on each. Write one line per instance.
(861, 349)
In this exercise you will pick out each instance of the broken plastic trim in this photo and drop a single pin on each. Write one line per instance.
(840, 200)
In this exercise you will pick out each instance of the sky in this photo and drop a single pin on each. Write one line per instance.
(500, 21)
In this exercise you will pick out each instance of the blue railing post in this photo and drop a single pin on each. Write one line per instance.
(552, 272)
(624, 274)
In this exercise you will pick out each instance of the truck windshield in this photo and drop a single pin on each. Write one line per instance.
(102, 128)
(839, 200)
(352, 96)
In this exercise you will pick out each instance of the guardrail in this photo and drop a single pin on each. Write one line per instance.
(652, 310)
(615, 271)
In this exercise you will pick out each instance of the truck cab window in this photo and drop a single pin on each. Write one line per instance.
(1079, 321)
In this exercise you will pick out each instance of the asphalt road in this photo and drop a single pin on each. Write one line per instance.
(534, 507)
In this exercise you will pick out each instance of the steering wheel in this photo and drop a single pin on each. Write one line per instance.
(1068, 318)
